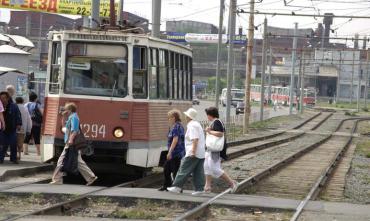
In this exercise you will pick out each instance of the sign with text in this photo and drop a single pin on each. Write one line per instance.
(70, 7)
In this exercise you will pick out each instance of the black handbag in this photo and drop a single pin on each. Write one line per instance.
(79, 142)
(70, 161)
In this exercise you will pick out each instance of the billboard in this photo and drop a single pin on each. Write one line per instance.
(70, 7)
(180, 37)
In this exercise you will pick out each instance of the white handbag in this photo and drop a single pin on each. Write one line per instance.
(214, 143)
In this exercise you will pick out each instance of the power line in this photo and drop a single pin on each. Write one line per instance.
(301, 15)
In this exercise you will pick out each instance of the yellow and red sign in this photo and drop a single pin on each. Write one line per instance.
(70, 7)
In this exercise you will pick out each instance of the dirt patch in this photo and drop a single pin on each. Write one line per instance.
(103, 207)
(14, 205)
(358, 179)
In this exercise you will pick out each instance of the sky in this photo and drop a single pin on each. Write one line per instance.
(208, 11)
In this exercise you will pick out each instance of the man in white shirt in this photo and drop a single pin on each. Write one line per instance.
(193, 161)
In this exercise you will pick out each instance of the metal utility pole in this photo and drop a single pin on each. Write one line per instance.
(247, 110)
(302, 84)
(264, 57)
(352, 74)
(269, 79)
(219, 47)
(95, 10)
(156, 18)
(120, 12)
(40, 42)
(367, 79)
(230, 57)
(338, 79)
(291, 92)
(112, 13)
(359, 88)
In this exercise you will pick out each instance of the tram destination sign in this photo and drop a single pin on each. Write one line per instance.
(70, 7)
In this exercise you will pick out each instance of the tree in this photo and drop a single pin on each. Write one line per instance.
(212, 84)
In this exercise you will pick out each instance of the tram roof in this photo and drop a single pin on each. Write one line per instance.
(104, 36)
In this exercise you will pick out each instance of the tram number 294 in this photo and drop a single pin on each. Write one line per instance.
(93, 130)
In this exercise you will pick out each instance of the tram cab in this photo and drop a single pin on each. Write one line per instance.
(123, 84)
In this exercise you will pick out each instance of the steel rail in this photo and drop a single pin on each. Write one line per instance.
(321, 181)
(257, 177)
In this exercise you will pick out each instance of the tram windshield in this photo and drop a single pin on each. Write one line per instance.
(96, 69)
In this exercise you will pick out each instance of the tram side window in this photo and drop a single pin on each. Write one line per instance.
(171, 75)
(55, 68)
(139, 87)
(176, 77)
(163, 65)
(153, 75)
(181, 77)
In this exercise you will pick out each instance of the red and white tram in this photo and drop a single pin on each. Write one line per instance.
(281, 94)
(123, 85)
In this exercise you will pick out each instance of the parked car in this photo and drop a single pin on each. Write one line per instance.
(196, 101)
(239, 108)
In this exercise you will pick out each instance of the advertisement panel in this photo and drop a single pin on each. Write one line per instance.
(70, 7)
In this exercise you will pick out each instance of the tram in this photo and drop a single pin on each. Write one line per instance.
(123, 84)
(281, 95)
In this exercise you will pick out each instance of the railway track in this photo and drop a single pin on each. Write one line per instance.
(323, 147)
(80, 200)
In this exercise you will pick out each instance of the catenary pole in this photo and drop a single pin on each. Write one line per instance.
(339, 78)
(360, 71)
(352, 75)
(230, 57)
(269, 79)
(120, 12)
(95, 14)
(264, 57)
(156, 18)
(248, 78)
(219, 47)
(366, 80)
(291, 89)
(301, 103)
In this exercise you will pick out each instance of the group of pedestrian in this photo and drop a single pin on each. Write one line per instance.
(189, 155)
(19, 123)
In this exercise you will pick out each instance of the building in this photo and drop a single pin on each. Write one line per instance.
(187, 26)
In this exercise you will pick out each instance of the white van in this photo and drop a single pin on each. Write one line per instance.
(237, 95)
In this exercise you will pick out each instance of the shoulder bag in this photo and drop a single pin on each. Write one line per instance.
(214, 143)
(79, 142)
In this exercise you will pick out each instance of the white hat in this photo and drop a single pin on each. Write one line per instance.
(191, 113)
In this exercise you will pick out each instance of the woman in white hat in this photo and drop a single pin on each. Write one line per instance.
(193, 161)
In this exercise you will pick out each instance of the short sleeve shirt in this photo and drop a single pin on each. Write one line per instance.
(195, 131)
(177, 131)
(72, 125)
(1, 107)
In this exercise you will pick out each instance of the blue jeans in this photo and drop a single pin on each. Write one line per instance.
(9, 140)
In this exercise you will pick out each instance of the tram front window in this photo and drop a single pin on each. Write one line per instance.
(96, 69)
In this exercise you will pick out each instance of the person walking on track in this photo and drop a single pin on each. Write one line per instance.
(176, 148)
(36, 115)
(72, 126)
(26, 125)
(13, 122)
(194, 157)
(212, 162)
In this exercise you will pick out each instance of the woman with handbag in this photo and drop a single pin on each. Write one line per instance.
(215, 143)
(72, 128)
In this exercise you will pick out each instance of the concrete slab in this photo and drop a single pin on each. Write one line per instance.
(339, 208)
(53, 189)
(27, 165)
(229, 199)
(74, 218)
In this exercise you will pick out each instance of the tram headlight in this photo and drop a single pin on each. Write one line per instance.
(118, 132)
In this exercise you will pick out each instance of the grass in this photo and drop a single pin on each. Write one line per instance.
(343, 105)
(363, 148)
(272, 122)
(142, 210)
